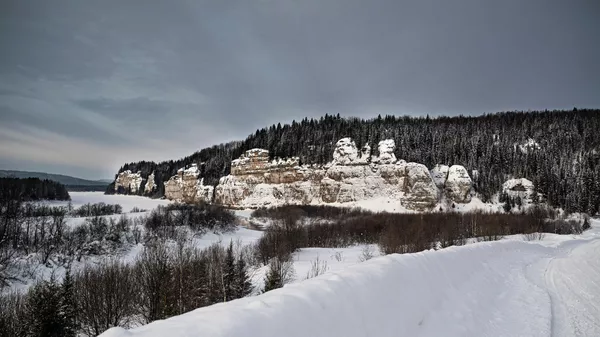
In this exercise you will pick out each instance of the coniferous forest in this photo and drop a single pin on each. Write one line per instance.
(31, 189)
(558, 150)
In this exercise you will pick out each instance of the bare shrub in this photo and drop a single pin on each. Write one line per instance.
(366, 253)
(153, 273)
(317, 267)
(339, 256)
(105, 297)
(534, 236)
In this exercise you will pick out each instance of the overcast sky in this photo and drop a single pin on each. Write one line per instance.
(88, 85)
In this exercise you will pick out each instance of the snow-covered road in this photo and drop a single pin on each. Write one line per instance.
(503, 288)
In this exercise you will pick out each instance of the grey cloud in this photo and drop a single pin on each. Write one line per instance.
(177, 76)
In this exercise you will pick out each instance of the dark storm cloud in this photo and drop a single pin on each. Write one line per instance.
(91, 84)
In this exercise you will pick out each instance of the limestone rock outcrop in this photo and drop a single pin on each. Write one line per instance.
(348, 178)
(440, 174)
(352, 176)
(128, 181)
(345, 152)
(453, 181)
(522, 188)
(386, 152)
(150, 184)
(458, 184)
(186, 187)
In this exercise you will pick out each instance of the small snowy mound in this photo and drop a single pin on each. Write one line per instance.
(528, 146)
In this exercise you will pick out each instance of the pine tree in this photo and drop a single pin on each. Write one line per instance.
(229, 274)
(243, 284)
(68, 306)
(272, 280)
(44, 310)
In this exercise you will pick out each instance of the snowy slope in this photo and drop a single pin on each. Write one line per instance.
(502, 288)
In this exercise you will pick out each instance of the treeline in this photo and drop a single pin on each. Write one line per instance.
(96, 209)
(86, 188)
(323, 226)
(563, 163)
(164, 281)
(31, 189)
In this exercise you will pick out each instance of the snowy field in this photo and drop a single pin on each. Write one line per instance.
(127, 201)
(511, 287)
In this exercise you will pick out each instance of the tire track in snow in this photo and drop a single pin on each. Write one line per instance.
(571, 279)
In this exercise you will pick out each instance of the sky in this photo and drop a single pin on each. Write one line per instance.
(86, 86)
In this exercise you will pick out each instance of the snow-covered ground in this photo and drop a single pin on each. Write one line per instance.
(511, 287)
(330, 259)
(127, 201)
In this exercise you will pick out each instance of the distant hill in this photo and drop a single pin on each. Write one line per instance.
(72, 183)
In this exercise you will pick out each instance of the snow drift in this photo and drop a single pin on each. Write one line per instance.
(505, 288)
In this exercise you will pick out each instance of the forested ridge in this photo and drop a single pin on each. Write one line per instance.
(31, 189)
(558, 150)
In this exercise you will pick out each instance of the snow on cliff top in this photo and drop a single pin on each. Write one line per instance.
(503, 288)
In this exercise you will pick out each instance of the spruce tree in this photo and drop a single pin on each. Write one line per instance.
(44, 310)
(229, 274)
(243, 284)
(68, 309)
(273, 279)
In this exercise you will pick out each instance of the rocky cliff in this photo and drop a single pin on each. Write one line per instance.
(187, 187)
(128, 181)
(352, 176)
(521, 187)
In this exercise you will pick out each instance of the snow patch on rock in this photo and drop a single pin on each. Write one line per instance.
(528, 146)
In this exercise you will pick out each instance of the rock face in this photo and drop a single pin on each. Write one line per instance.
(440, 174)
(522, 188)
(150, 184)
(255, 182)
(352, 176)
(186, 187)
(453, 181)
(128, 181)
(386, 152)
(345, 152)
(458, 184)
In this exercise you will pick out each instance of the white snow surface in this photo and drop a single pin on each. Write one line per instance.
(529, 145)
(504, 288)
(127, 201)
